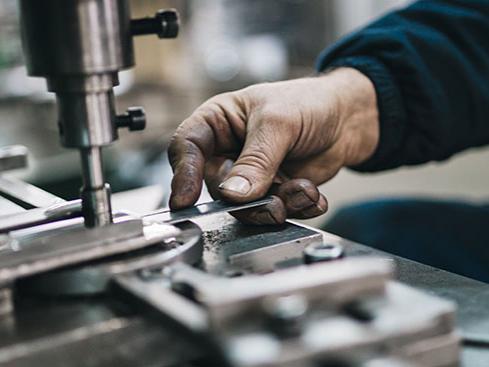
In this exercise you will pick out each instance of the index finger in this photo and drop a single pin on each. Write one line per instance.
(192, 143)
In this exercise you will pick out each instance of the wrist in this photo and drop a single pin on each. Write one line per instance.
(357, 113)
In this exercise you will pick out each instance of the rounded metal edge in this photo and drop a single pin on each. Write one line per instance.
(93, 278)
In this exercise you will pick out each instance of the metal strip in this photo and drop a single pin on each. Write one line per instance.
(26, 195)
(69, 209)
(213, 207)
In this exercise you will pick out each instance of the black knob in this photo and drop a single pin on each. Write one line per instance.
(134, 119)
(164, 24)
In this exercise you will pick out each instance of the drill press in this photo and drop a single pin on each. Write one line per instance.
(79, 46)
(234, 295)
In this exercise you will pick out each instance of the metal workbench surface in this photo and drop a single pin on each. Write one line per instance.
(106, 331)
(471, 296)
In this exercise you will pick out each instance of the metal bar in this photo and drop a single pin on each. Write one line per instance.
(200, 210)
(7, 207)
(95, 193)
(26, 195)
(91, 161)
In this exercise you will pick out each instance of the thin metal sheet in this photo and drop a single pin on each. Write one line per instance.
(213, 207)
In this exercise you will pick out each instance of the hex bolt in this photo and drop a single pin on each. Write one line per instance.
(322, 252)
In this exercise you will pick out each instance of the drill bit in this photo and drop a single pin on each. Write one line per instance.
(95, 193)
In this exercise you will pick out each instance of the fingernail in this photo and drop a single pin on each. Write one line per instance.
(236, 184)
(313, 211)
(319, 208)
(299, 200)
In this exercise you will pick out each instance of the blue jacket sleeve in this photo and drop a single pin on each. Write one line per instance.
(429, 64)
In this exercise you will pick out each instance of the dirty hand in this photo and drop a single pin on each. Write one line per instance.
(283, 138)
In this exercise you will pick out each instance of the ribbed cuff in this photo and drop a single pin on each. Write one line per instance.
(392, 114)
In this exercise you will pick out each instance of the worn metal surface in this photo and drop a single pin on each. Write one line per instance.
(180, 244)
(41, 325)
(228, 244)
(345, 311)
(52, 246)
(470, 296)
(89, 333)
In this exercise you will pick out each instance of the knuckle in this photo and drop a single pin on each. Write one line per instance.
(272, 115)
(299, 184)
(277, 121)
(252, 90)
(173, 148)
(255, 96)
(211, 113)
(219, 101)
(257, 160)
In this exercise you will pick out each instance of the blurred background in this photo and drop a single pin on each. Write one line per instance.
(223, 45)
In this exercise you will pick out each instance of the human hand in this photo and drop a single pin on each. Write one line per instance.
(282, 138)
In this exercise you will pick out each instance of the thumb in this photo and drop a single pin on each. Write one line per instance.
(253, 172)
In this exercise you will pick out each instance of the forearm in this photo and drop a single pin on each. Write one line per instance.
(429, 64)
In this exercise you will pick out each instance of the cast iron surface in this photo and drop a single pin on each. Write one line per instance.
(107, 331)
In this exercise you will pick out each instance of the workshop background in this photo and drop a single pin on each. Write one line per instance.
(223, 45)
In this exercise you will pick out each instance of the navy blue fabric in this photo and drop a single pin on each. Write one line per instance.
(429, 63)
(449, 235)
